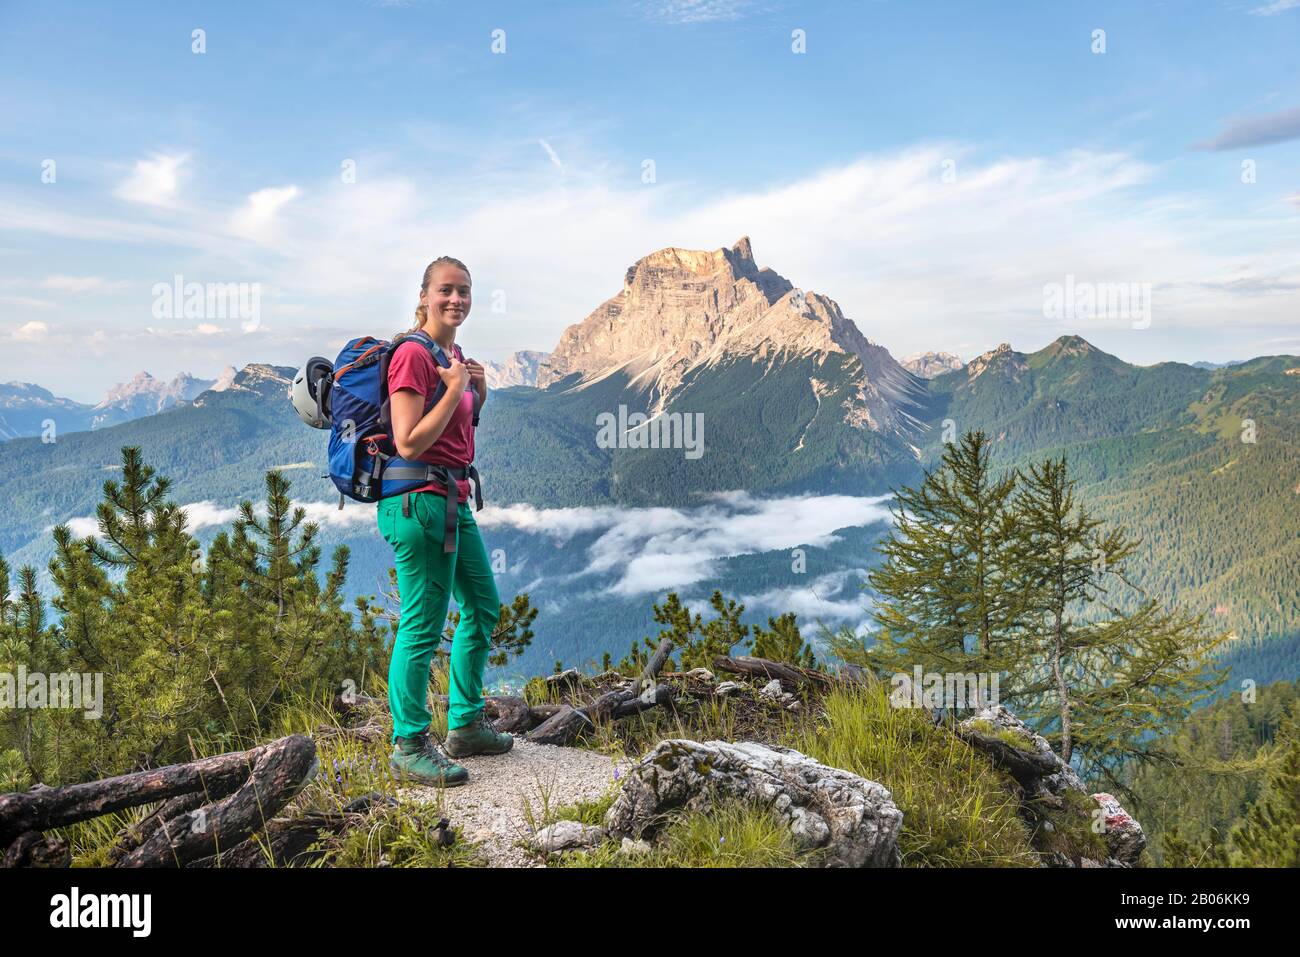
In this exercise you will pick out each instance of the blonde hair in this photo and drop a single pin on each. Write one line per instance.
(422, 312)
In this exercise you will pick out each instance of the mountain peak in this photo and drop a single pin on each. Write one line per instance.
(1073, 347)
(1003, 355)
(927, 365)
(681, 309)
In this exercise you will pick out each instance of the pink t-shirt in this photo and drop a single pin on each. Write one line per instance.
(411, 367)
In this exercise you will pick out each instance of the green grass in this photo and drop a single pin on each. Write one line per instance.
(958, 811)
(1009, 736)
(1071, 829)
(403, 836)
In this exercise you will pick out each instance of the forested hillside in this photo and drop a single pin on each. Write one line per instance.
(1202, 465)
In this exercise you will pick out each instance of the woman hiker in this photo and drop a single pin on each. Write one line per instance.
(427, 573)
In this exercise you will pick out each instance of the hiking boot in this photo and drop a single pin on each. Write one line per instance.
(478, 738)
(417, 759)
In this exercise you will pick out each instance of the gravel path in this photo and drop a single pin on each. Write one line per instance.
(489, 809)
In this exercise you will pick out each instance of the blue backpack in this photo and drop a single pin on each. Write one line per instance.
(363, 460)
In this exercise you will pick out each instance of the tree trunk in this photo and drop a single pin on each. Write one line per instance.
(1062, 694)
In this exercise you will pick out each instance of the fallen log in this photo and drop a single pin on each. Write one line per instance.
(508, 712)
(662, 697)
(561, 727)
(44, 808)
(277, 774)
(653, 666)
(33, 849)
(568, 722)
(287, 841)
(791, 677)
(541, 712)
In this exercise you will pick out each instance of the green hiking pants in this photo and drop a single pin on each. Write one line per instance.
(426, 579)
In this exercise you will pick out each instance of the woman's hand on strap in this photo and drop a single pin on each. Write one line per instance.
(457, 376)
(414, 430)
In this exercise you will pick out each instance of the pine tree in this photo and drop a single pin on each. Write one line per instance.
(27, 641)
(280, 630)
(510, 637)
(132, 610)
(1063, 562)
(944, 579)
(782, 641)
(1270, 835)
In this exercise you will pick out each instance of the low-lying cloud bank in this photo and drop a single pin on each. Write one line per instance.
(652, 549)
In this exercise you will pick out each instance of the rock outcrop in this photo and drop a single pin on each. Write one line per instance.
(853, 822)
(1124, 836)
(1019, 750)
(1052, 790)
(567, 836)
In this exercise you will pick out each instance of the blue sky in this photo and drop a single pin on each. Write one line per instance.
(226, 166)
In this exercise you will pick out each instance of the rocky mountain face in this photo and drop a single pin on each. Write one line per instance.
(1003, 359)
(24, 408)
(518, 368)
(683, 311)
(256, 377)
(145, 395)
(927, 365)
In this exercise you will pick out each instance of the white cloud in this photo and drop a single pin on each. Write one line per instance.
(34, 331)
(917, 262)
(257, 218)
(815, 600)
(555, 158)
(913, 260)
(1274, 8)
(206, 514)
(80, 284)
(209, 514)
(653, 549)
(696, 11)
(155, 181)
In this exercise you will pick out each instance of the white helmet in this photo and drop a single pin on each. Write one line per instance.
(310, 392)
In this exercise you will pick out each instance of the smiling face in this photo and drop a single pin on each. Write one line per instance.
(446, 298)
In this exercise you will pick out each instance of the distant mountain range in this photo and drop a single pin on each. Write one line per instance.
(26, 408)
(1202, 464)
(518, 368)
(930, 364)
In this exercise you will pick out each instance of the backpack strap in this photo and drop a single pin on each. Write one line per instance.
(439, 359)
(478, 399)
